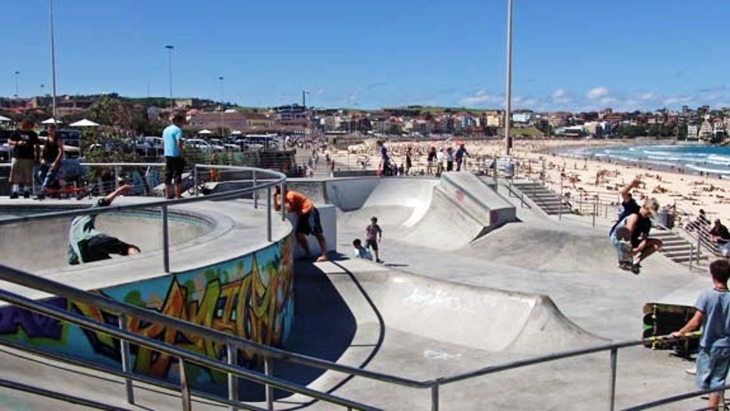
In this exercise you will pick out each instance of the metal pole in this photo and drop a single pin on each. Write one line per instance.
(196, 178)
(595, 210)
(165, 240)
(268, 214)
(116, 177)
(612, 380)
(508, 93)
(53, 62)
(128, 384)
(232, 354)
(560, 200)
(184, 387)
(169, 65)
(269, 371)
(16, 83)
(435, 397)
(256, 192)
(223, 110)
(691, 255)
(283, 194)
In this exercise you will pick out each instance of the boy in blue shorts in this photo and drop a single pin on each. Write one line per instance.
(713, 359)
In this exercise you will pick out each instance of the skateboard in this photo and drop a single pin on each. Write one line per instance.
(625, 258)
(663, 319)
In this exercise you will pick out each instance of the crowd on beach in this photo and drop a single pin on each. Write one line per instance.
(551, 162)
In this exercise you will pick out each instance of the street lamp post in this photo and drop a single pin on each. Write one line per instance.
(508, 93)
(169, 67)
(223, 109)
(42, 87)
(16, 83)
(53, 62)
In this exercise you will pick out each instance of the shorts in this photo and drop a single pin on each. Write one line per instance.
(371, 244)
(98, 248)
(174, 169)
(309, 223)
(712, 367)
(21, 171)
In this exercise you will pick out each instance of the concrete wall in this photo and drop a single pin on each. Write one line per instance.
(250, 296)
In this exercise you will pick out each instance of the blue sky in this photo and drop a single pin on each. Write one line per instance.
(568, 54)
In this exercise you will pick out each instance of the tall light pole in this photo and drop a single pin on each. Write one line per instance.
(53, 62)
(42, 87)
(223, 109)
(16, 83)
(508, 93)
(169, 66)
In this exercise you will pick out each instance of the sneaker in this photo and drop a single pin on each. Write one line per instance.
(691, 371)
(14, 195)
(635, 268)
(26, 194)
(379, 261)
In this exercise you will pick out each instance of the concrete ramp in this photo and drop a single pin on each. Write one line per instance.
(475, 317)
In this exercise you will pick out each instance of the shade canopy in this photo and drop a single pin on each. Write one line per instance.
(2, 118)
(51, 121)
(84, 123)
(206, 131)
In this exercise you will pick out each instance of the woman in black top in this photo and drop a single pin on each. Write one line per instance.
(50, 160)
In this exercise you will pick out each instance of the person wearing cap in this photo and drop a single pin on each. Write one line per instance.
(87, 244)
(308, 222)
(635, 228)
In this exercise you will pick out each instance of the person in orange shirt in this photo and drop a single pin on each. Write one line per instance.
(308, 222)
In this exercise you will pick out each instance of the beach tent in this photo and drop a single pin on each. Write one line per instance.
(206, 131)
(51, 121)
(4, 119)
(84, 123)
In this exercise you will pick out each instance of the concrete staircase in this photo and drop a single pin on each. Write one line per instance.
(677, 248)
(543, 197)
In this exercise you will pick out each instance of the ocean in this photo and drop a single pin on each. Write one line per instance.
(688, 158)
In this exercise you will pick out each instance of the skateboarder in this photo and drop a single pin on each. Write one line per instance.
(87, 244)
(713, 359)
(307, 219)
(633, 231)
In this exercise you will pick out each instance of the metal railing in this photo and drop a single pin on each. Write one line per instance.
(233, 344)
(261, 179)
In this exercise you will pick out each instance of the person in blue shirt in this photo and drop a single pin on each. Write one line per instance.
(713, 315)
(172, 138)
(460, 153)
(359, 251)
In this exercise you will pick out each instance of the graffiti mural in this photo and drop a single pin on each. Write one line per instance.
(250, 297)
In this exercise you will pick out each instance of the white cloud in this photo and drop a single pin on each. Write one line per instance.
(560, 96)
(481, 97)
(647, 96)
(317, 92)
(353, 97)
(597, 93)
(677, 100)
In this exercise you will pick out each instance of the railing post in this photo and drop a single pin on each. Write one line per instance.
(691, 255)
(232, 354)
(435, 397)
(195, 179)
(255, 192)
(128, 385)
(560, 201)
(116, 177)
(165, 240)
(269, 371)
(283, 193)
(184, 387)
(699, 243)
(268, 213)
(612, 380)
(595, 210)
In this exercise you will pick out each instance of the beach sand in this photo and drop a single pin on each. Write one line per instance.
(584, 178)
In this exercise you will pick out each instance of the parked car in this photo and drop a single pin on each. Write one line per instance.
(204, 146)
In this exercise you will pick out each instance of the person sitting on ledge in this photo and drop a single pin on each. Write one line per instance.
(87, 244)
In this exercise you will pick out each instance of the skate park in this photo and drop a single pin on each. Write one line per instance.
(473, 277)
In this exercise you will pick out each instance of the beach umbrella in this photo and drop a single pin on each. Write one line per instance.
(51, 121)
(4, 119)
(84, 123)
(206, 131)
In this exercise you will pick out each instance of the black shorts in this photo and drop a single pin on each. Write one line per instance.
(174, 169)
(371, 244)
(309, 223)
(98, 248)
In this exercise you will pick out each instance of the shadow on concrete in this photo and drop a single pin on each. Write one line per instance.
(323, 328)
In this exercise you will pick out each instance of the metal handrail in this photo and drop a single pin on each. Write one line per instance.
(59, 396)
(19, 277)
(181, 354)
